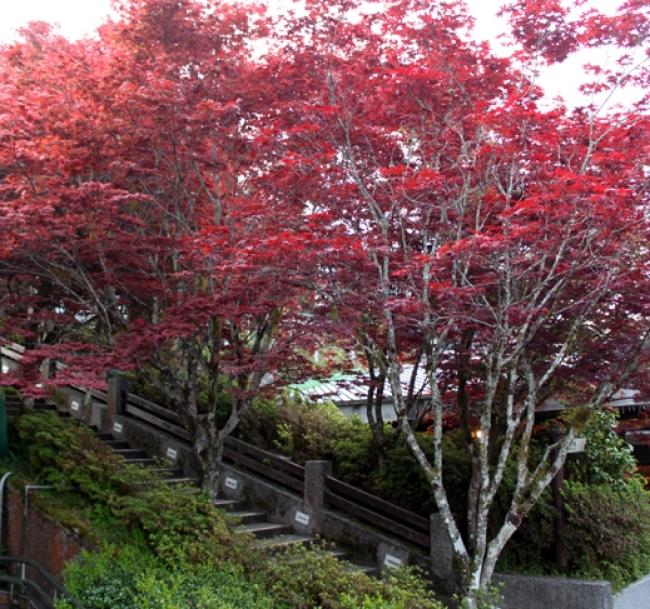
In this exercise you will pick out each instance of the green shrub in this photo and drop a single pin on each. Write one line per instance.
(310, 431)
(607, 531)
(302, 430)
(607, 458)
(307, 578)
(68, 455)
(130, 577)
(106, 579)
(178, 521)
(181, 524)
(403, 482)
(259, 424)
(200, 588)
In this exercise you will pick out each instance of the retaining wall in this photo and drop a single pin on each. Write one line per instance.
(529, 592)
(635, 596)
(46, 541)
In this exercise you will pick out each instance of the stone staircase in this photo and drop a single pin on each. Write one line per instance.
(169, 474)
(270, 537)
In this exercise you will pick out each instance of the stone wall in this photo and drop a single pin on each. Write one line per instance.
(528, 592)
(45, 540)
(635, 596)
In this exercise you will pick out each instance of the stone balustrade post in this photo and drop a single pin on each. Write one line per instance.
(48, 368)
(315, 474)
(442, 551)
(118, 391)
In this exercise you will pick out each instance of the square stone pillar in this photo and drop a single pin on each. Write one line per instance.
(48, 368)
(118, 393)
(442, 551)
(315, 474)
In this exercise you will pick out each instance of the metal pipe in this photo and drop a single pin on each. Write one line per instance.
(28, 489)
(3, 482)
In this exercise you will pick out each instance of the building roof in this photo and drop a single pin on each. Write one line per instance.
(352, 387)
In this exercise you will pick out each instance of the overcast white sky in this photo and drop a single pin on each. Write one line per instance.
(77, 18)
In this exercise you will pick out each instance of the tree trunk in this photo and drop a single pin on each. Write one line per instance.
(211, 474)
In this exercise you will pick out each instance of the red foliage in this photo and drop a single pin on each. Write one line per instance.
(157, 181)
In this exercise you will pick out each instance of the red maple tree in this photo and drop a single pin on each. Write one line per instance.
(206, 191)
(505, 239)
(138, 229)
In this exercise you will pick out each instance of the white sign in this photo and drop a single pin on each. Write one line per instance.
(171, 453)
(231, 483)
(392, 561)
(302, 518)
(577, 445)
(75, 405)
(118, 427)
(5, 368)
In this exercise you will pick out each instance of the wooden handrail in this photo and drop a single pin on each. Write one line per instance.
(371, 517)
(160, 411)
(339, 495)
(376, 504)
(156, 421)
(100, 396)
(265, 457)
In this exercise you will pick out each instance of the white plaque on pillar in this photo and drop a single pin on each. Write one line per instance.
(75, 405)
(118, 427)
(392, 561)
(231, 483)
(172, 453)
(302, 518)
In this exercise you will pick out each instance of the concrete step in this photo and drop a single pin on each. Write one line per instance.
(280, 542)
(181, 480)
(132, 454)
(104, 437)
(144, 461)
(363, 568)
(228, 504)
(116, 444)
(263, 530)
(168, 472)
(249, 516)
(338, 553)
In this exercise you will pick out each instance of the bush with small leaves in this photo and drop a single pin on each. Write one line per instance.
(130, 577)
(307, 578)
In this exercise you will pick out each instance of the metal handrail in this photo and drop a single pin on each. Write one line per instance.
(23, 581)
(23, 584)
(3, 483)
